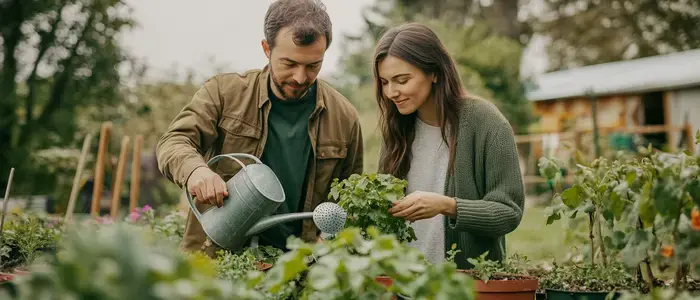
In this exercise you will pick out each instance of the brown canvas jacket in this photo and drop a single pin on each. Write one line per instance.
(228, 114)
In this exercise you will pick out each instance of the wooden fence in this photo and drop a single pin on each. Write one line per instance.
(575, 137)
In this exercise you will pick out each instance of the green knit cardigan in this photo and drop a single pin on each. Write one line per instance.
(486, 183)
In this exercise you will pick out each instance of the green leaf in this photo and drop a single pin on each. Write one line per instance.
(573, 215)
(616, 205)
(589, 208)
(636, 249)
(667, 197)
(548, 168)
(319, 278)
(553, 217)
(631, 177)
(609, 242)
(619, 239)
(693, 189)
(570, 196)
(647, 211)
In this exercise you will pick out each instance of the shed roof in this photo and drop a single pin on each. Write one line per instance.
(670, 71)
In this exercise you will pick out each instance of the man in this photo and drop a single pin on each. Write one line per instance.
(298, 125)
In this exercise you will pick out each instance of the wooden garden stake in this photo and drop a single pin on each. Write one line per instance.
(135, 173)
(689, 138)
(4, 204)
(121, 165)
(76, 180)
(100, 169)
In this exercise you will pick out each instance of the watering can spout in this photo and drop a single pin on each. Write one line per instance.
(272, 221)
(328, 217)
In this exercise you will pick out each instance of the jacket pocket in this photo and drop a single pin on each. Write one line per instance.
(238, 137)
(329, 159)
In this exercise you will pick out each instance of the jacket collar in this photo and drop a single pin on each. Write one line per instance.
(264, 97)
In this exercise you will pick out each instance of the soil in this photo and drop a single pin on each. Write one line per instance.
(693, 285)
(500, 276)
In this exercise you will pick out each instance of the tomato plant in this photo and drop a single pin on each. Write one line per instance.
(648, 204)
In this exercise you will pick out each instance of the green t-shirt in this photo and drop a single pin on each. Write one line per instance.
(287, 152)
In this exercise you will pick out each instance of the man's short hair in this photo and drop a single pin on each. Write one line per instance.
(308, 20)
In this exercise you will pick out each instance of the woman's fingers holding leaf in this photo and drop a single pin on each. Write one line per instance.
(403, 204)
(412, 208)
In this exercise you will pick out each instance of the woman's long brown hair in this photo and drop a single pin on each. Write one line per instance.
(419, 46)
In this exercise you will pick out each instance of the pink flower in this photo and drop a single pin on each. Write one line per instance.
(146, 208)
(134, 216)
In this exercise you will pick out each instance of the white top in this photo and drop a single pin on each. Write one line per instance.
(430, 157)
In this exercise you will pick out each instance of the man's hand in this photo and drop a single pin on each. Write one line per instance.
(207, 186)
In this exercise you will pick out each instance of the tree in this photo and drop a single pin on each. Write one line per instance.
(587, 32)
(59, 56)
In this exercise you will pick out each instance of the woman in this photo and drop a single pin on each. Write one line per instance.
(456, 151)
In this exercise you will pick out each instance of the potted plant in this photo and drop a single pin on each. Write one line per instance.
(26, 238)
(507, 280)
(367, 198)
(346, 267)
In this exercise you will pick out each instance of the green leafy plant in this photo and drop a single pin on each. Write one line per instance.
(266, 254)
(511, 268)
(590, 278)
(123, 262)
(234, 266)
(367, 199)
(347, 267)
(452, 253)
(172, 225)
(28, 236)
(649, 204)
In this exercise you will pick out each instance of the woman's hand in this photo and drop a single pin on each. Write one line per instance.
(424, 205)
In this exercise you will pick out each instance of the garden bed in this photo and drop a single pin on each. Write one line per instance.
(640, 218)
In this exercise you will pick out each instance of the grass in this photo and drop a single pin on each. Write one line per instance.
(542, 243)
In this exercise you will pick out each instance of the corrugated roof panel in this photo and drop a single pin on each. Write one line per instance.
(638, 75)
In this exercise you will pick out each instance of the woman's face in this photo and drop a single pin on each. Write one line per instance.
(404, 84)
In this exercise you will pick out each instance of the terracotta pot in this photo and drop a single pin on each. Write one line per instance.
(387, 281)
(517, 287)
(6, 276)
(20, 271)
(263, 266)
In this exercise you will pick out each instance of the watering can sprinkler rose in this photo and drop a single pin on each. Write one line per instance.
(254, 193)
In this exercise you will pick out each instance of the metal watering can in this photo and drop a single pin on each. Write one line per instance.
(254, 193)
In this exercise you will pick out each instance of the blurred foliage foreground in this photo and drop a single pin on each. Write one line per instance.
(64, 71)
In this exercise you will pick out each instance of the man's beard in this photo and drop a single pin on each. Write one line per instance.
(285, 95)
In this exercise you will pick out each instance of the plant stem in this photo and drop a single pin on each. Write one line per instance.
(599, 231)
(647, 263)
(590, 235)
(680, 275)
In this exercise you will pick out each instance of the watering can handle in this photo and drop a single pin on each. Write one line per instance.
(209, 163)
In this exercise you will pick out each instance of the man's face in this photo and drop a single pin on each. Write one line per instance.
(293, 68)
